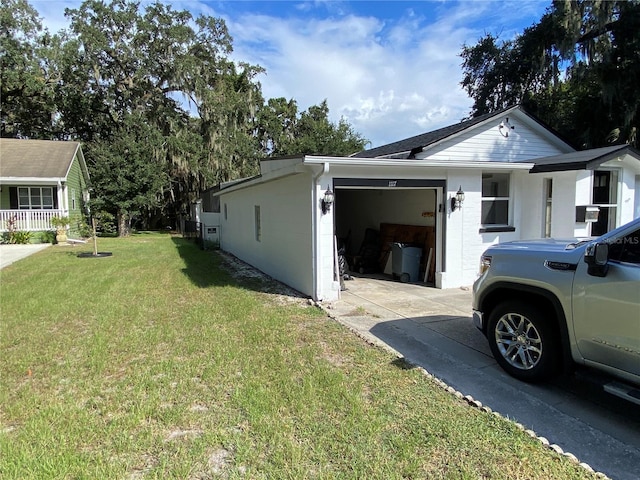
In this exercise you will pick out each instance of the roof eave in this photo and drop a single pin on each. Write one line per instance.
(31, 180)
(413, 163)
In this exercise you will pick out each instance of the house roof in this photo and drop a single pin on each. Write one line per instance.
(582, 160)
(409, 147)
(36, 158)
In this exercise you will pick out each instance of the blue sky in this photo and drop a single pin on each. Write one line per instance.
(391, 68)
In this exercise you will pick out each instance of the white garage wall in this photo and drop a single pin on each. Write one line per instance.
(285, 247)
(463, 241)
(487, 143)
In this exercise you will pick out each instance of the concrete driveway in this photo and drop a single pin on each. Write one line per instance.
(433, 329)
(12, 253)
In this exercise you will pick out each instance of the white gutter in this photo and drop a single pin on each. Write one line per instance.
(258, 179)
(31, 180)
(378, 162)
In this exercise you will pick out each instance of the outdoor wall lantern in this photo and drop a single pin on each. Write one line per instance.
(327, 201)
(456, 202)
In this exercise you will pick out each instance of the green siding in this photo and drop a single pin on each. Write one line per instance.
(76, 187)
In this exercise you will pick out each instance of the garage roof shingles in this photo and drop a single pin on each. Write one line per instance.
(410, 146)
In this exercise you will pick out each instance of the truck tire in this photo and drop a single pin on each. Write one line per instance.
(522, 340)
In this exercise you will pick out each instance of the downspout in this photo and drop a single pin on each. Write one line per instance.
(315, 182)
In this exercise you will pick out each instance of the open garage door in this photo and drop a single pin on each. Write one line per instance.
(373, 214)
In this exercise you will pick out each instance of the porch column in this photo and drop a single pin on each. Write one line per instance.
(62, 198)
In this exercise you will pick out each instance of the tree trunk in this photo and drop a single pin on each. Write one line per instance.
(124, 229)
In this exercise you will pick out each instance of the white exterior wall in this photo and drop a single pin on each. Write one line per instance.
(563, 210)
(463, 242)
(583, 189)
(627, 188)
(328, 287)
(285, 247)
(297, 244)
(627, 200)
(531, 188)
(486, 143)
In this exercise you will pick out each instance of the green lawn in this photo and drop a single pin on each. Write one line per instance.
(157, 363)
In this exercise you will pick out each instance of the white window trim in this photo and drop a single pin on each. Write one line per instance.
(508, 199)
(618, 186)
(29, 205)
(547, 208)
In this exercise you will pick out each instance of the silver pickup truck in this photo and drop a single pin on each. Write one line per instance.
(545, 305)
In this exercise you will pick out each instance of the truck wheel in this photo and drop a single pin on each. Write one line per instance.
(522, 341)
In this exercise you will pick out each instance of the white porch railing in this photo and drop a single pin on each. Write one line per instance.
(29, 220)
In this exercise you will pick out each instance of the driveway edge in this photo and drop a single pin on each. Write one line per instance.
(376, 342)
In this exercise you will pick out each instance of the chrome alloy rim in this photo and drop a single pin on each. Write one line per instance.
(519, 341)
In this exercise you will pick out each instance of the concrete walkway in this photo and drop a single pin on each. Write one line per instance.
(12, 253)
(433, 329)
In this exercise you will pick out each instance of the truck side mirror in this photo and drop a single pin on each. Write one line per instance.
(597, 257)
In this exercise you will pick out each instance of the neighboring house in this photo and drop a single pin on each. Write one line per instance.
(40, 179)
(519, 179)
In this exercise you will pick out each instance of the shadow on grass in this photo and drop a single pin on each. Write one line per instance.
(203, 268)
(206, 268)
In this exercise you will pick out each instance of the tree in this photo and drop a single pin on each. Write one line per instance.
(152, 93)
(580, 62)
(154, 63)
(127, 170)
(26, 84)
(284, 132)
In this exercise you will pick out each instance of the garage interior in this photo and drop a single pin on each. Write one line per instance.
(370, 220)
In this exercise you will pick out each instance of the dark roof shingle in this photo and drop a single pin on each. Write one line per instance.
(584, 159)
(35, 158)
(408, 147)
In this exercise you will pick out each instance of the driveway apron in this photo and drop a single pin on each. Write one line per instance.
(432, 328)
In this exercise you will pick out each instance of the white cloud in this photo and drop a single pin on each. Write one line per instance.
(390, 76)
(390, 81)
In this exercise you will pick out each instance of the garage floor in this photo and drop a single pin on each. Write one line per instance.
(371, 299)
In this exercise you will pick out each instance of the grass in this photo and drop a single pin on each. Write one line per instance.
(157, 363)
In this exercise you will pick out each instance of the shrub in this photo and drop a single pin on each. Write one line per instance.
(20, 237)
(15, 236)
(105, 223)
(82, 227)
(59, 223)
(48, 236)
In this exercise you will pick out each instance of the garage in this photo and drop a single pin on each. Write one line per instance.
(428, 190)
(371, 215)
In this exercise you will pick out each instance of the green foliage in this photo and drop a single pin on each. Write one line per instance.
(81, 226)
(59, 223)
(128, 175)
(27, 83)
(15, 236)
(47, 236)
(20, 237)
(284, 132)
(577, 69)
(162, 110)
(105, 223)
